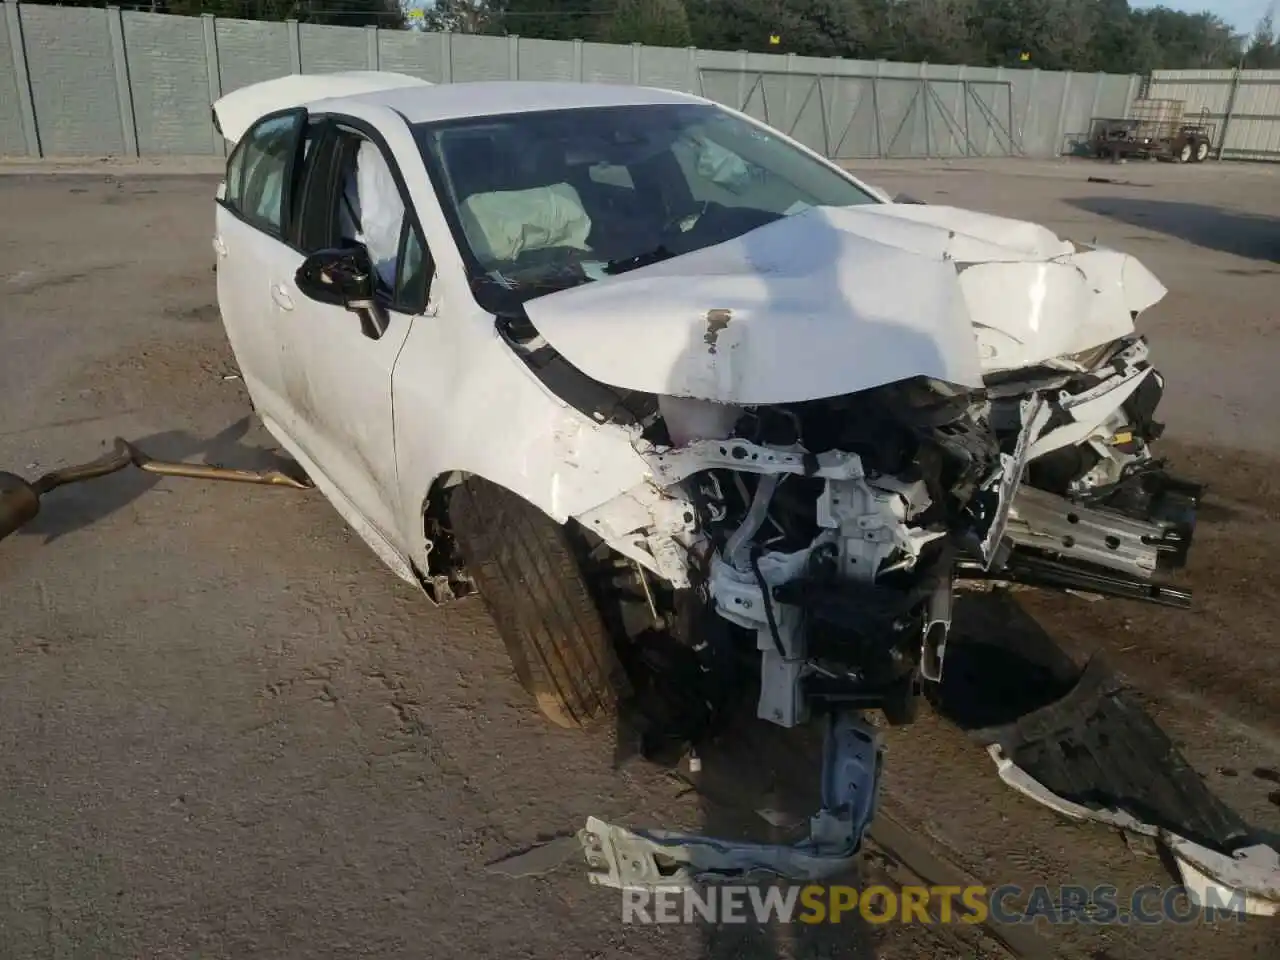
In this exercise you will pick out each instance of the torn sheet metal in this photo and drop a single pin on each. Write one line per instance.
(1035, 415)
(1088, 410)
(660, 860)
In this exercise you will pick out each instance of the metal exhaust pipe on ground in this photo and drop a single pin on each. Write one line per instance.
(20, 499)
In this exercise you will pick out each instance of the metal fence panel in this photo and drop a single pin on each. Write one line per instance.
(947, 95)
(721, 77)
(73, 82)
(1115, 95)
(1045, 93)
(1199, 89)
(169, 83)
(1254, 132)
(1244, 104)
(850, 115)
(13, 142)
(854, 126)
(145, 86)
(1074, 127)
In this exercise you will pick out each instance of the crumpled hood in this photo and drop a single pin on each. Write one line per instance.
(1032, 296)
(840, 299)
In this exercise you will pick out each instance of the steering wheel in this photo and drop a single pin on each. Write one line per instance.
(555, 258)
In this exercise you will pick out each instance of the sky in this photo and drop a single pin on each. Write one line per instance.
(1241, 14)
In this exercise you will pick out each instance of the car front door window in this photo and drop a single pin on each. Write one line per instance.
(381, 212)
(366, 208)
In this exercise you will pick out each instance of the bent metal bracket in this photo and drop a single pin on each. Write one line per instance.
(20, 499)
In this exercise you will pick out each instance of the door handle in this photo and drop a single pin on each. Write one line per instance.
(281, 296)
(219, 247)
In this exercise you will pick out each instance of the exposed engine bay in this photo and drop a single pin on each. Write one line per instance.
(827, 539)
(826, 471)
(828, 536)
(824, 535)
(823, 543)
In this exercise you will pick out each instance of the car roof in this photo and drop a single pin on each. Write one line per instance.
(483, 98)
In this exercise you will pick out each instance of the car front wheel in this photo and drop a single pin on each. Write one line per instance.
(530, 577)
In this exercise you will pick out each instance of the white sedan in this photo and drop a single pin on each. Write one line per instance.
(676, 393)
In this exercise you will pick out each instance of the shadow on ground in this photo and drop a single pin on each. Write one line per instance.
(1243, 234)
(759, 782)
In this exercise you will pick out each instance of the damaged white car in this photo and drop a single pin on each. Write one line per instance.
(679, 396)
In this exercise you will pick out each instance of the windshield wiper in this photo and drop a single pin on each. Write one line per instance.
(656, 255)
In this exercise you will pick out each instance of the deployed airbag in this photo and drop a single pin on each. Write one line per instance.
(504, 224)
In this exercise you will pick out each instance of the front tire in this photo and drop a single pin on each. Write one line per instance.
(531, 581)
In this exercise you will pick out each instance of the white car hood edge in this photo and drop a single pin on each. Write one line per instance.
(836, 300)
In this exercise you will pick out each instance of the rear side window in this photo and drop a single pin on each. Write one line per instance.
(260, 171)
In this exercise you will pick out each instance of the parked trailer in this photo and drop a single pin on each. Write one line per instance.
(1154, 129)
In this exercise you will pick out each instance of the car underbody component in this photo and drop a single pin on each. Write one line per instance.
(20, 500)
(852, 758)
(1095, 754)
(1104, 538)
(1035, 570)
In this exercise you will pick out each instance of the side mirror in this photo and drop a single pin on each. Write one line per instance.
(341, 277)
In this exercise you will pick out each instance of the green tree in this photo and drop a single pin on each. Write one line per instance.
(463, 16)
(1187, 41)
(1263, 52)
(658, 23)
(348, 13)
(548, 19)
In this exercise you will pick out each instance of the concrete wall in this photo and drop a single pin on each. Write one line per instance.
(82, 81)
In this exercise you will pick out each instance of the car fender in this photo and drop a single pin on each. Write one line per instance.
(465, 404)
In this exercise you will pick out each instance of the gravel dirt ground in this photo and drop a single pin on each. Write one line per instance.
(227, 731)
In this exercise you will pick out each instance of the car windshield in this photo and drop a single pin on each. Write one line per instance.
(543, 201)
